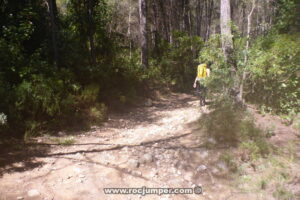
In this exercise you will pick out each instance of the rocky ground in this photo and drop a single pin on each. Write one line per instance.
(157, 145)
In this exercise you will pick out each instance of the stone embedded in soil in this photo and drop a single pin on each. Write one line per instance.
(148, 103)
(147, 158)
(215, 170)
(212, 141)
(222, 166)
(79, 181)
(137, 173)
(33, 193)
(132, 163)
(204, 154)
(61, 133)
(189, 176)
(76, 169)
(201, 168)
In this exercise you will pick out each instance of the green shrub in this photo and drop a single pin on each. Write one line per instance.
(224, 121)
(255, 148)
(282, 193)
(176, 63)
(64, 141)
(230, 161)
(296, 122)
(97, 113)
(274, 64)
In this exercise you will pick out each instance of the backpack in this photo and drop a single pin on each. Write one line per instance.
(202, 71)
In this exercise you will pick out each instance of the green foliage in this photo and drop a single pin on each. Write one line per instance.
(97, 113)
(282, 193)
(274, 66)
(177, 62)
(220, 80)
(228, 123)
(224, 121)
(64, 141)
(230, 161)
(255, 148)
(287, 16)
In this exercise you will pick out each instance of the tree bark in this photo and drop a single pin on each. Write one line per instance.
(199, 11)
(249, 18)
(91, 30)
(129, 30)
(227, 45)
(225, 20)
(143, 32)
(52, 9)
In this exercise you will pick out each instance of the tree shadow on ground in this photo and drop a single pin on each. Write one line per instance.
(18, 157)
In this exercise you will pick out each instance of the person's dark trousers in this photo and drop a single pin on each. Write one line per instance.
(201, 93)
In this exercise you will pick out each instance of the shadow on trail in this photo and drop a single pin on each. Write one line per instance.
(22, 156)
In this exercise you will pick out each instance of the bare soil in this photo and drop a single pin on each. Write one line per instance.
(160, 145)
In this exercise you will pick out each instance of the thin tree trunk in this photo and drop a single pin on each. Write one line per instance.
(170, 23)
(155, 29)
(129, 30)
(51, 8)
(249, 18)
(143, 32)
(91, 30)
(209, 19)
(199, 17)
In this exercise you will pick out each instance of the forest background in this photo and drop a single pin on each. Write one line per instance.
(66, 63)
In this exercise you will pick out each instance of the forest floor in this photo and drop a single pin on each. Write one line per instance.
(156, 146)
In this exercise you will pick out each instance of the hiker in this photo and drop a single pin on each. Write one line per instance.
(203, 71)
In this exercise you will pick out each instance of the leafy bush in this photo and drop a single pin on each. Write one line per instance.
(229, 123)
(97, 113)
(223, 123)
(176, 63)
(3, 119)
(274, 66)
(220, 80)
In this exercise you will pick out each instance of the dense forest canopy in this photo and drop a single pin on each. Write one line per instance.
(65, 62)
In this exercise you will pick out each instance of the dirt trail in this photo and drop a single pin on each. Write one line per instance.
(155, 146)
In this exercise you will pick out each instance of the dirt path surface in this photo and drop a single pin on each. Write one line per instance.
(155, 146)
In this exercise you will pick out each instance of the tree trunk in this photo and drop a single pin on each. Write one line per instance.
(52, 9)
(143, 32)
(91, 30)
(225, 20)
(249, 18)
(170, 23)
(227, 45)
(199, 10)
(211, 5)
(129, 30)
(155, 29)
